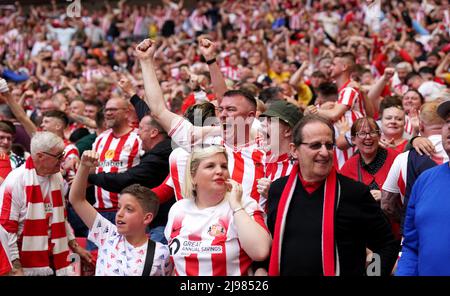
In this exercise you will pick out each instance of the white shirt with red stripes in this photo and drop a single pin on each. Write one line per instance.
(341, 156)
(352, 98)
(116, 156)
(277, 167)
(397, 177)
(230, 72)
(409, 130)
(245, 163)
(177, 160)
(204, 242)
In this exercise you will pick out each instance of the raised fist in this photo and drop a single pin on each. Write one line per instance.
(126, 85)
(146, 49)
(388, 73)
(207, 48)
(89, 158)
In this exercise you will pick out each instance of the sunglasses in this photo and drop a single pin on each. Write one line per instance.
(57, 156)
(318, 145)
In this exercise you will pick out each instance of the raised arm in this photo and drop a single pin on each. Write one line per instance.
(208, 50)
(77, 195)
(153, 93)
(17, 110)
(376, 90)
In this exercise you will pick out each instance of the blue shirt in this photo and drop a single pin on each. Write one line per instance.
(426, 244)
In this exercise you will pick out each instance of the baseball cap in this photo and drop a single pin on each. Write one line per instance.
(285, 111)
(444, 109)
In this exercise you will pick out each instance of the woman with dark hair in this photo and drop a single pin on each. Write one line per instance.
(370, 164)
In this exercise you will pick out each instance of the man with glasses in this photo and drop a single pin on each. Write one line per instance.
(119, 148)
(321, 221)
(33, 212)
(151, 171)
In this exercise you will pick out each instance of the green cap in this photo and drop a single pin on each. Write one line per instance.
(285, 111)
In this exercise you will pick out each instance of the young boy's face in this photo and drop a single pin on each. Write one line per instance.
(130, 218)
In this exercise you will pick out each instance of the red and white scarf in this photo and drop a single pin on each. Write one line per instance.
(37, 248)
(329, 264)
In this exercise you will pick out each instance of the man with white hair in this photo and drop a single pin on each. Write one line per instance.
(32, 211)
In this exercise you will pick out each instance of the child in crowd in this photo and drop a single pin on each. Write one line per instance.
(124, 248)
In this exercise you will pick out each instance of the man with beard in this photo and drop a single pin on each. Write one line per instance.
(119, 148)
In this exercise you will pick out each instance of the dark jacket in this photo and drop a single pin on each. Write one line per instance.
(359, 223)
(151, 171)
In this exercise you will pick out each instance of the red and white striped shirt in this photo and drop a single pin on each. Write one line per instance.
(245, 163)
(177, 161)
(70, 152)
(94, 74)
(396, 179)
(279, 167)
(409, 130)
(116, 156)
(352, 98)
(5, 262)
(341, 156)
(204, 242)
(230, 72)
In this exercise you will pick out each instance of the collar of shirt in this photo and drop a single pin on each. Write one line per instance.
(310, 187)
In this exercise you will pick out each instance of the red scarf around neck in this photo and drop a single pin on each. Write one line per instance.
(328, 241)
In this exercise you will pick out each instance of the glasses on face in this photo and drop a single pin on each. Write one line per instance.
(372, 134)
(59, 156)
(317, 145)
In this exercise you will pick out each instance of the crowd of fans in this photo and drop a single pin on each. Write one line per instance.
(111, 90)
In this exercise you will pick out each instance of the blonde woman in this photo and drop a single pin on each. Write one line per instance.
(214, 230)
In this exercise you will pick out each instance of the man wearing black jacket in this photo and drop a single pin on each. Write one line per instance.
(150, 172)
(321, 221)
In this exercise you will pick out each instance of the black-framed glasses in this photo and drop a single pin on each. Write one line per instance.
(317, 145)
(59, 156)
(372, 134)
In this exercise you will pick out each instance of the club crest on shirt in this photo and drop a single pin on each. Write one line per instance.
(216, 230)
(127, 148)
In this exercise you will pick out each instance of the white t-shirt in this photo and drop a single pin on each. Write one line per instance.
(117, 257)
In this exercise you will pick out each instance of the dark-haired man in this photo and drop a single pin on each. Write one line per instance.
(236, 112)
